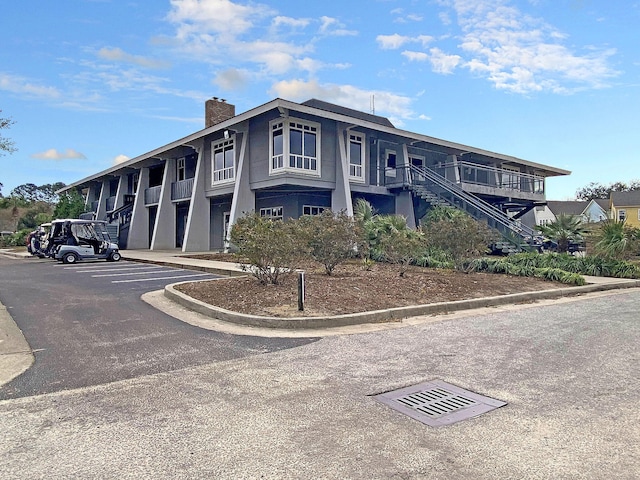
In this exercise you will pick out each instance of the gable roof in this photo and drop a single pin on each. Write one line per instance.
(567, 207)
(349, 112)
(626, 199)
(602, 202)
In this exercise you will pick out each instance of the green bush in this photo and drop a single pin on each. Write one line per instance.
(331, 238)
(269, 248)
(455, 232)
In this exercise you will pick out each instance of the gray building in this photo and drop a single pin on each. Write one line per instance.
(285, 159)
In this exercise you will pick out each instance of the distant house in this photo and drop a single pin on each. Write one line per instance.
(626, 206)
(590, 211)
(285, 159)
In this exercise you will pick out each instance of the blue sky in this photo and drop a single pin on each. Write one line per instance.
(93, 82)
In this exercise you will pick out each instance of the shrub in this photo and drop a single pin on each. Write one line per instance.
(455, 232)
(270, 248)
(402, 247)
(331, 238)
(617, 240)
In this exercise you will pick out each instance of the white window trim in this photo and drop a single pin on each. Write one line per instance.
(181, 167)
(274, 213)
(622, 211)
(225, 175)
(359, 138)
(286, 128)
(311, 208)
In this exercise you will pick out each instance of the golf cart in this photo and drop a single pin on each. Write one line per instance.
(74, 240)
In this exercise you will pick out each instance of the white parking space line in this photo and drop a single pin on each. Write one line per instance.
(89, 265)
(121, 269)
(132, 273)
(160, 278)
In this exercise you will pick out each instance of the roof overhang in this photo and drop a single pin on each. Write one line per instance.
(288, 106)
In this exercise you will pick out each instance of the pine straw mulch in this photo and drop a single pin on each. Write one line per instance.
(352, 289)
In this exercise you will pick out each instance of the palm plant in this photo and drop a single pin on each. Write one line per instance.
(617, 240)
(565, 229)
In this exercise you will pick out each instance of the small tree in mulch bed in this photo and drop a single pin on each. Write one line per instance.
(269, 248)
(332, 238)
(403, 247)
(455, 232)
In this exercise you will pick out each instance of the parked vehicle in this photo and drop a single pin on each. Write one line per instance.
(75, 240)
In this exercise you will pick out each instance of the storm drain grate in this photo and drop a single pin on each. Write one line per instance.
(438, 403)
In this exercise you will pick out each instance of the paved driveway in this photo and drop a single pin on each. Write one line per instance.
(87, 325)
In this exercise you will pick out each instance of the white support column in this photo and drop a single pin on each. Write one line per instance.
(164, 232)
(122, 188)
(404, 201)
(196, 236)
(341, 195)
(139, 227)
(101, 211)
(453, 173)
(244, 199)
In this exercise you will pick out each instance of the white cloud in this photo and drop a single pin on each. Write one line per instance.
(231, 79)
(120, 159)
(222, 16)
(117, 55)
(415, 56)
(392, 42)
(53, 154)
(331, 26)
(443, 63)
(23, 86)
(396, 107)
(290, 22)
(395, 41)
(523, 54)
(241, 41)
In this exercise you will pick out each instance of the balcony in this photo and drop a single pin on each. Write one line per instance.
(152, 195)
(494, 177)
(182, 189)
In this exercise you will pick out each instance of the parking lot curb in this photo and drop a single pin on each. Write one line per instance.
(383, 316)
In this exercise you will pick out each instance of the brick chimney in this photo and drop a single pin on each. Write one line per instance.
(217, 110)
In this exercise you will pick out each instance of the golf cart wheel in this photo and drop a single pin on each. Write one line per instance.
(115, 257)
(69, 258)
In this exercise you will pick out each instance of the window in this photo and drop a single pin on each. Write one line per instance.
(294, 147)
(356, 156)
(223, 160)
(274, 213)
(180, 169)
(312, 210)
(390, 163)
(622, 215)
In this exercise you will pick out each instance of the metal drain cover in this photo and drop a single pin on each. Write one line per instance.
(437, 403)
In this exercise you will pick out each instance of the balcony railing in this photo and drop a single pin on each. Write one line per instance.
(224, 175)
(182, 189)
(493, 177)
(152, 195)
